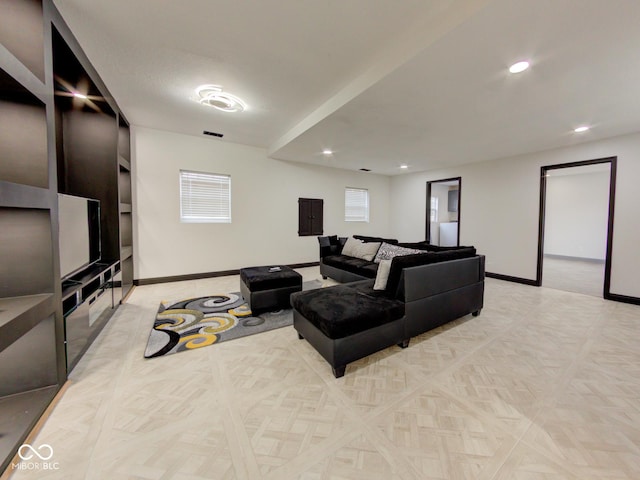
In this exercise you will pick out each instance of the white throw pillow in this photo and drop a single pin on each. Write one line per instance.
(351, 247)
(383, 275)
(367, 250)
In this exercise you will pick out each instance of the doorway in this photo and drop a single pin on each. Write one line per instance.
(576, 226)
(443, 212)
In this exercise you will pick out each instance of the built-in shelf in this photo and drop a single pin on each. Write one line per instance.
(29, 362)
(19, 314)
(124, 140)
(126, 252)
(126, 232)
(26, 252)
(24, 196)
(22, 33)
(51, 142)
(99, 271)
(23, 135)
(124, 185)
(124, 163)
(127, 275)
(31, 368)
(18, 415)
(13, 66)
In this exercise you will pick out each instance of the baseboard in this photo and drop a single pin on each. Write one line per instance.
(622, 298)
(578, 259)
(509, 278)
(304, 265)
(199, 276)
(525, 281)
(126, 297)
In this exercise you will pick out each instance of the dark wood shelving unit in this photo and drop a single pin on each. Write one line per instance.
(20, 413)
(126, 210)
(22, 33)
(18, 315)
(51, 143)
(30, 333)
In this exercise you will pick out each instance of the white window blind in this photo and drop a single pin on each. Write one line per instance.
(356, 205)
(205, 197)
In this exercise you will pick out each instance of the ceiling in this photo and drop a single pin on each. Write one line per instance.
(381, 83)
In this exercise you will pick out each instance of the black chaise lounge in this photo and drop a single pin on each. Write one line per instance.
(347, 322)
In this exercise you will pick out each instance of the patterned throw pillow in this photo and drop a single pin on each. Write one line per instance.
(388, 251)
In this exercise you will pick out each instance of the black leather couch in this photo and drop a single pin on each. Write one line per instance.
(346, 269)
(347, 322)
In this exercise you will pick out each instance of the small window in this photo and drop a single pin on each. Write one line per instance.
(434, 209)
(356, 205)
(205, 197)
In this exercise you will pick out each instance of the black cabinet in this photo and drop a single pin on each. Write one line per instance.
(310, 216)
(88, 303)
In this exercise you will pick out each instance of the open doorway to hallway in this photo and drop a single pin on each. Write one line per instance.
(443, 212)
(577, 226)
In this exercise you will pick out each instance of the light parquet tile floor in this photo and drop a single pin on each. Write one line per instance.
(544, 384)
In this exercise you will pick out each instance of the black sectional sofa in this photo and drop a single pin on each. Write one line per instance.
(424, 290)
(346, 269)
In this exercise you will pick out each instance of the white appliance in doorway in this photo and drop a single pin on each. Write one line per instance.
(448, 234)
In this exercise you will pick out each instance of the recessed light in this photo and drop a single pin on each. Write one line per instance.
(404, 166)
(79, 95)
(213, 96)
(326, 151)
(519, 67)
(584, 128)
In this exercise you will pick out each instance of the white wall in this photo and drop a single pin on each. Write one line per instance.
(576, 214)
(264, 200)
(499, 209)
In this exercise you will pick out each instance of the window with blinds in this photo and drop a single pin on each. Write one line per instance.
(205, 197)
(356, 205)
(433, 216)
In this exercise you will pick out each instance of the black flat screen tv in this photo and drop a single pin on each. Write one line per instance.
(78, 233)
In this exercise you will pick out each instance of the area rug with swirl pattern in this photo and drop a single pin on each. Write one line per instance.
(192, 323)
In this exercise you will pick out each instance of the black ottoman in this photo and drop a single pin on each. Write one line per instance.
(268, 288)
(347, 322)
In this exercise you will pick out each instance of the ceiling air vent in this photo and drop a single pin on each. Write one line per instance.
(213, 134)
(365, 169)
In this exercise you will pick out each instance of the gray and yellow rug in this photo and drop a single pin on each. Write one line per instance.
(198, 322)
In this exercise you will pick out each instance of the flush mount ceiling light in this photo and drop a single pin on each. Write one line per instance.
(213, 96)
(584, 128)
(326, 151)
(404, 166)
(519, 67)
